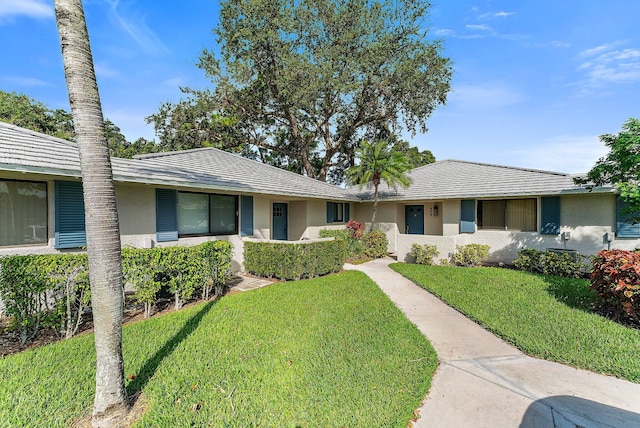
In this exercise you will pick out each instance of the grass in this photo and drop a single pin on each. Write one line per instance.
(332, 351)
(545, 316)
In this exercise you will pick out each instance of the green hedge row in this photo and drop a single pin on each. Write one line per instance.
(53, 290)
(551, 263)
(292, 261)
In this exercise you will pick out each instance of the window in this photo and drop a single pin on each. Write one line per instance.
(507, 214)
(337, 212)
(205, 214)
(23, 210)
(625, 225)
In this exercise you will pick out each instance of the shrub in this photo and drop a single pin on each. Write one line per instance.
(615, 279)
(23, 288)
(355, 228)
(216, 265)
(424, 254)
(45, 291)
(355, 247)
(470, 255)
(68, 279)
(375, 244)
(551, 263)
(139, 268)
(294, 260)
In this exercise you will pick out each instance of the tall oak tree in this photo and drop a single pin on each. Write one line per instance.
(303, 81)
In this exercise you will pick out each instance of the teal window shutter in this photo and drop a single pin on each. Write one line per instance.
(467, 216)
(70, 229)
(330, 212)
(246, 215)
(347, 215)
(166, 215)
(624, 221)
(550, 221)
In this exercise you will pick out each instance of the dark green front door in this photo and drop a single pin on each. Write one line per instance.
(414, 219)
(280, 221)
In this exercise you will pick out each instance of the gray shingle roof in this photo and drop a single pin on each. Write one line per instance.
(213, 169)
(452, 179)
(208, 168)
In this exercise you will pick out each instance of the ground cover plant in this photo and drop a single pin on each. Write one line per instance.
(332, 351)
(545, 316)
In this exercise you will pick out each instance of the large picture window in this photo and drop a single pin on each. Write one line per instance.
(205, 214)
(23, 210)
(508, 214)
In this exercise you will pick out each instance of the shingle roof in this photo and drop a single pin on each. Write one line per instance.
(213, 169)
(25, 150)
(452, 179)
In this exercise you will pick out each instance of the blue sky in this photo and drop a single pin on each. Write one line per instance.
(534, 83)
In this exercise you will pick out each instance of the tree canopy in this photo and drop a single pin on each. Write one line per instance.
(23, 111)
(300, 83)
(621, 166)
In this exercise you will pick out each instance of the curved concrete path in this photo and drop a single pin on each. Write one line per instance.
(484, 382)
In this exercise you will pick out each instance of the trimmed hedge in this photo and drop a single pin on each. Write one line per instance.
(45, 291)
(293, 261)
(52, 290)
(551, 263)
(355, 246)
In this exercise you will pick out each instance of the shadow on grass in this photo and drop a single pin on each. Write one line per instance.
(572, 292)
(151, 365)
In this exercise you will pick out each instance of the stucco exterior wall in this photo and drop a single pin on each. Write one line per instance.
(450, 217)
(298, 216)
(136, 214)
(261, 217)
(588, 218)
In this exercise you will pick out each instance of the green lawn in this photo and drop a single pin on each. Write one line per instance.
(332, 351)
(544, 316)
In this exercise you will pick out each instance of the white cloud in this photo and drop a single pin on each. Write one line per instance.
(565, 153)
(491, 15)
(37, 9)
(174, 81)
(136, 28)
(444, 32)
(484, 96)
(105, 70)
(480, 27)
(26, 81)
(609, 64)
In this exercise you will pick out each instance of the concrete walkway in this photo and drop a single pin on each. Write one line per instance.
(484, 382)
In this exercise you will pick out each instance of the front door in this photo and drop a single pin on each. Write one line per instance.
(280, 221)
(414, 219)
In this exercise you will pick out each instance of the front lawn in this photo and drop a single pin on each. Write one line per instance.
(332, 351)
(545, 316)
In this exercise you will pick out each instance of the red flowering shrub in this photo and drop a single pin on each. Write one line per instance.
(355, 228)
(615, 279)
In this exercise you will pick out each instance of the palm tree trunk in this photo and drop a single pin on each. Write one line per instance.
(101, 217)
(375, 206)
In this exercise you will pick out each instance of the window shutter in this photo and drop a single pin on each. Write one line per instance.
(347, 215)
(467, 216)
(624, 224)
(550, 221)
(330, 208)
(70, 229)
(246, 215)
(166, 215)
